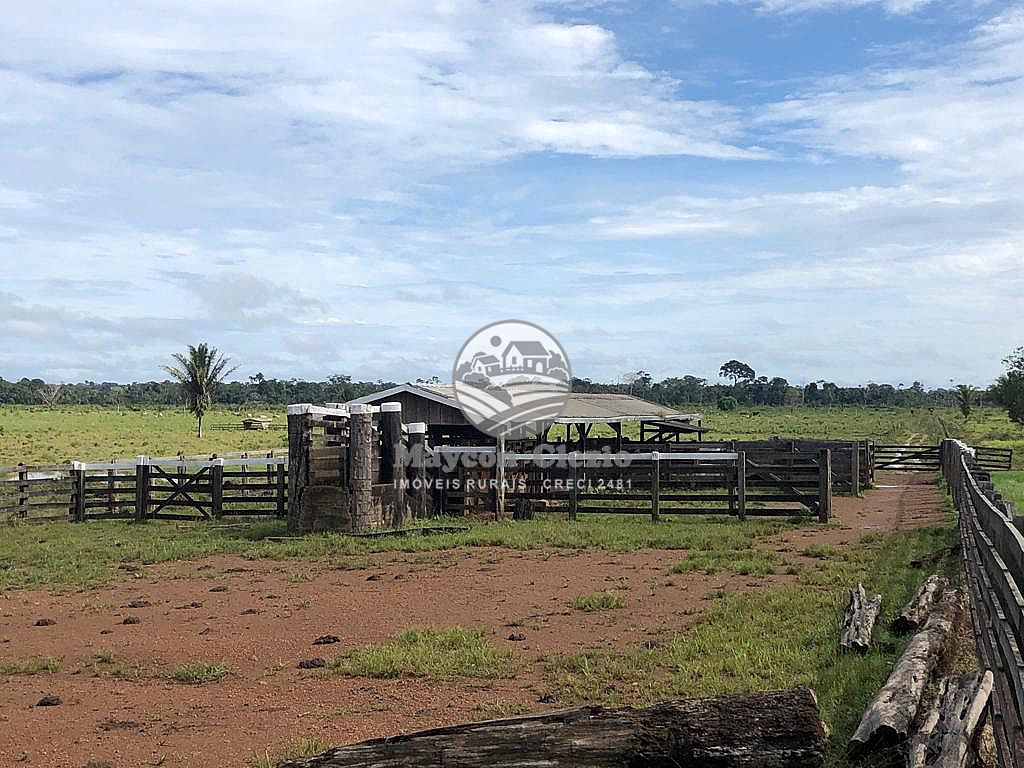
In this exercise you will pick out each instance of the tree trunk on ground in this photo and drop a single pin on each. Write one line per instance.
(779, 729)
(888, 717)
(915, 613)
(952, 722)
(859, 622)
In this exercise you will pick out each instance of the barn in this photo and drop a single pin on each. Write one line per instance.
(435, 405)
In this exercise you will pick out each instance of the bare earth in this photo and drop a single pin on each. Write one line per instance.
(266, 620)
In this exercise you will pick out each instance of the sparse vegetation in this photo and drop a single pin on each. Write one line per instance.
(305, 747)
(441, 654)
(768, 638)
(495, 710)
(746, 562)
(200, 672)
(47, 665)
(599, 601)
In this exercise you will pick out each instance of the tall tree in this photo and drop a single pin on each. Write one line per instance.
(736, 371)
(199, 373)
(1008, 391)
(966, 395)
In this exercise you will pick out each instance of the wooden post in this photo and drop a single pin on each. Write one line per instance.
(741, 485)
(855, 469)
(573, 478)
(217, 488)
(390, 441)
(417, 446)
(78, 509)
(824, 485)
(361, 480)
(499, 480)
(141, 487)
(298, 461)
(110, 491)
(655, 487)
(282, 489)
(23, 491)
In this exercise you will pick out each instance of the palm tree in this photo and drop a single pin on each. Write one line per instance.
(199, 373)
(966, 395)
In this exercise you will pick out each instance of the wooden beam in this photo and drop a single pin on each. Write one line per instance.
(774, 729)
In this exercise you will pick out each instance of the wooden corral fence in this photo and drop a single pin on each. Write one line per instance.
(852, 466)
(928, 458)
(146, 488)
(992, 537)
(654, 483)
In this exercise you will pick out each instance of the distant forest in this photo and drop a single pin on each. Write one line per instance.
(745, 387)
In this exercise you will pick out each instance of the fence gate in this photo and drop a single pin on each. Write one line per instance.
(915, 458)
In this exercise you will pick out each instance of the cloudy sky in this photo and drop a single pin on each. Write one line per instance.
(822, 188)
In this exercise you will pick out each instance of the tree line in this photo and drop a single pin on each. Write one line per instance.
(744, 387)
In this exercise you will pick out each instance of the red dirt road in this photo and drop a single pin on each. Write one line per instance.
(260, 618)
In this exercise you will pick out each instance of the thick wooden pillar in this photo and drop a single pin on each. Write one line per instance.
(361, 463)
(390, 442)
(141, 487)
(499, 480)
(418, 448)
(217, 488)
(298, 460)
(78, 510)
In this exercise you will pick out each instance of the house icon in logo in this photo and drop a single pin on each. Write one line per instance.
(485, 364)
(526, 356)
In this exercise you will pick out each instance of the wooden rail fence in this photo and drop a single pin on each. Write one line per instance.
(654, 483)
(146, 488)
(993, 553)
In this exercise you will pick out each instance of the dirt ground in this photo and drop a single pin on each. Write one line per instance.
(261, 618)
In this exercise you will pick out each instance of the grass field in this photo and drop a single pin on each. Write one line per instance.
(36, 435)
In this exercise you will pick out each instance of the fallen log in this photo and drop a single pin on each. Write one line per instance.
(915, 613)
(778, 729)
(859, 621)
(888, 717)
(954, 719)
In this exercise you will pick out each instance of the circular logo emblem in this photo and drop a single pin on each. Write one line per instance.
(512, 379)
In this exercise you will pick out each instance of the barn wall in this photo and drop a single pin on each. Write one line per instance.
(417, 408)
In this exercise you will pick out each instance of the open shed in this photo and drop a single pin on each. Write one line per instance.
(436, 406)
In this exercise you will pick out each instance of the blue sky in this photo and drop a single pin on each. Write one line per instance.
(822, 188)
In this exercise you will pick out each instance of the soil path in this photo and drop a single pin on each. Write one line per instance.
(261, 618)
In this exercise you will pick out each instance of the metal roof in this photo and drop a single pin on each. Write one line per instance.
(582, 407)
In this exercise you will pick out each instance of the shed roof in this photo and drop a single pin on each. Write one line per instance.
(582, 407)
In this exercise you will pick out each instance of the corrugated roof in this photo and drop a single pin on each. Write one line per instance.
(581, 407)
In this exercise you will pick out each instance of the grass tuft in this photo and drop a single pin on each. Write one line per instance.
(441, 654)
(200, 672)
(746, 562)
(305, 747)
(47, 665)
(599, 601)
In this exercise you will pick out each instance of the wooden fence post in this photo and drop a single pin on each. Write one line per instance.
(217, 488)
(824, 485)
(361, 460)
(655, 486)
(78, 508)
(499, 480)
(573, 478)
(417, 449)
(741, 485)
(22, 491)
(111, 489)
(141, 487)
(855, 468)
(282, 489)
